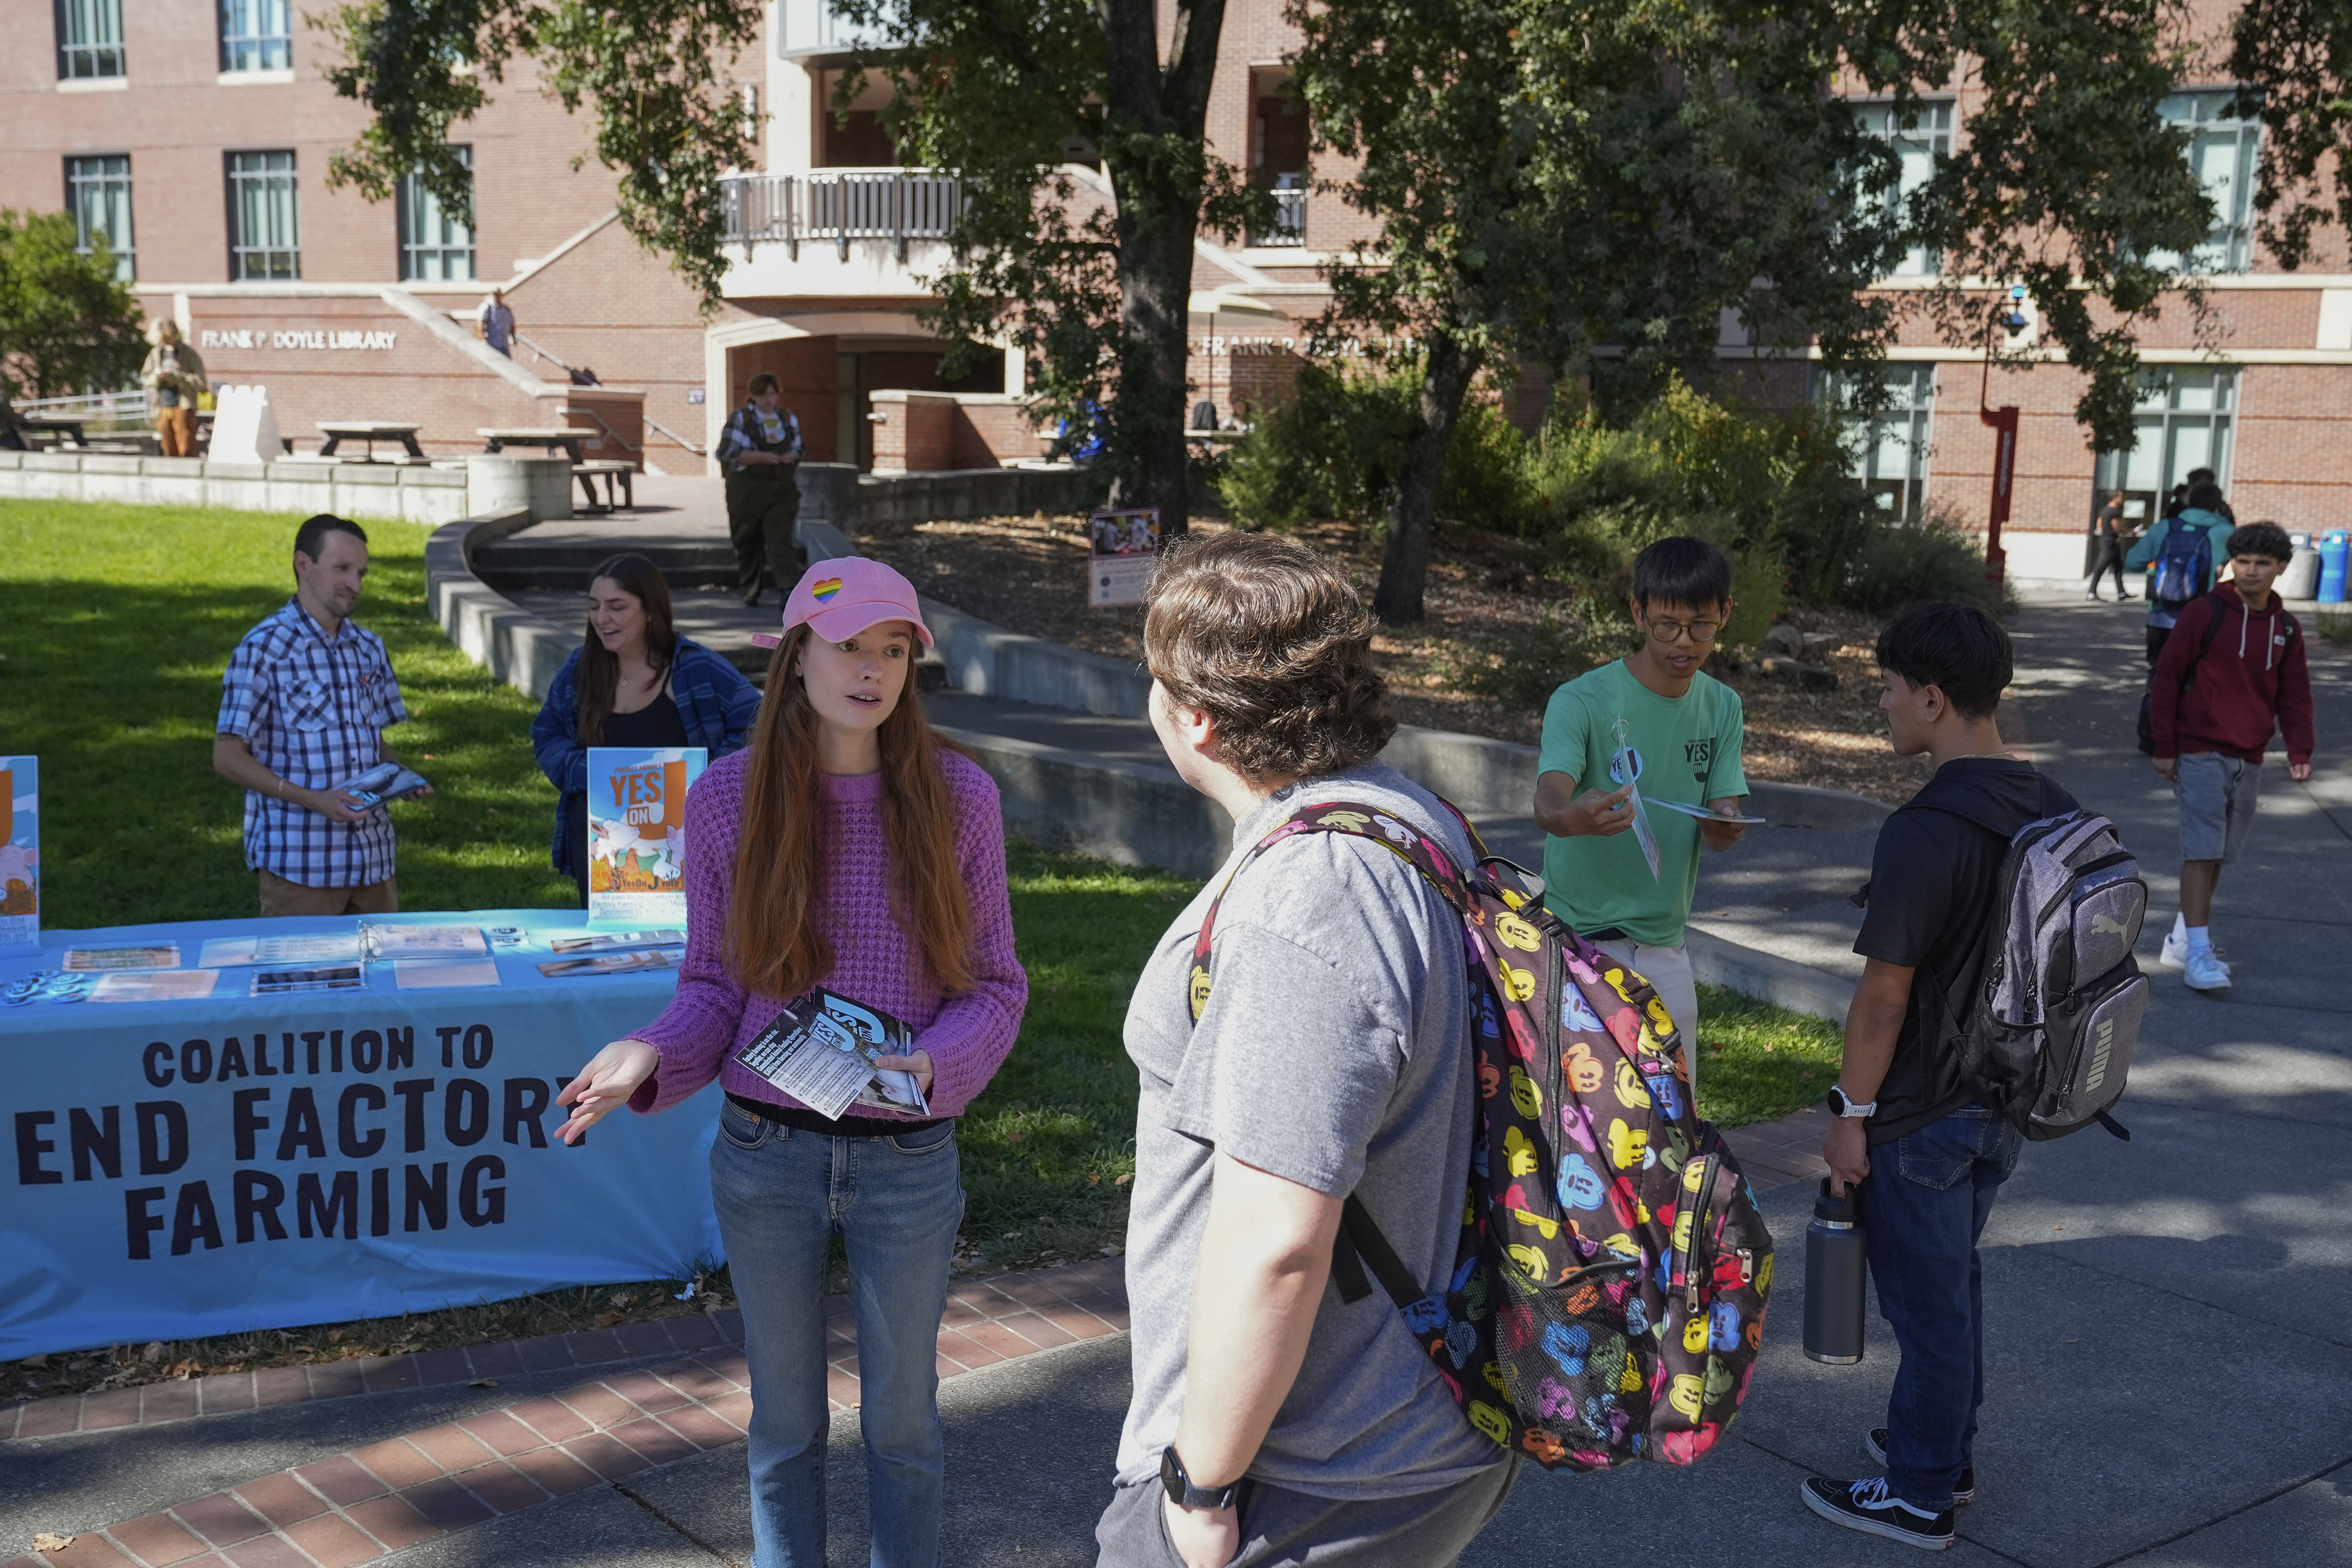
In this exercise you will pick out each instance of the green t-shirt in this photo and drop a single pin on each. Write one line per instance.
(1685, 749)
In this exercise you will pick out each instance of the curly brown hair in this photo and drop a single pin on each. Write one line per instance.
(1271, 640)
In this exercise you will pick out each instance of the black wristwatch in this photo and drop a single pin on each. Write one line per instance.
(1181, 1490)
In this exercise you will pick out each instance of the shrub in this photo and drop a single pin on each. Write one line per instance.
(1902, 564)
(1584, 632)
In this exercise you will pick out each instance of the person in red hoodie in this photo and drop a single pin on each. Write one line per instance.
(2231, 673)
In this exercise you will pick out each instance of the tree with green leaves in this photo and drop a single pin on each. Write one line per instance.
(1589, 187)
(67, 325)
(2292, 61)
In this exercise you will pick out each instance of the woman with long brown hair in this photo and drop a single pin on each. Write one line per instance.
(846, 851)
(633, 682)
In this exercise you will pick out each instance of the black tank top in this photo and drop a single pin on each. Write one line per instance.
(658, 724)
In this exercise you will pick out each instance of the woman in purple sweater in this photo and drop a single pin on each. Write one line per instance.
(844, 849)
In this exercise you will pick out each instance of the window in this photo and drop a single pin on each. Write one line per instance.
(97, 193)
(2221, 156)
(265, 240)
(89, 39)
(1892, 460)
(256, 35)
(2182, 422)
(1923, 135)
(433, 246)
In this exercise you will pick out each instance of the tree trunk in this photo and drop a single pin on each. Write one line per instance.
(1404, 570)
(1159, 184)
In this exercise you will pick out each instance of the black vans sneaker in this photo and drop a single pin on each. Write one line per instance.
(1964, 1491)
(1874, 1509)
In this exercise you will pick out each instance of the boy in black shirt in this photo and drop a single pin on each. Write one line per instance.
(1933, 1157)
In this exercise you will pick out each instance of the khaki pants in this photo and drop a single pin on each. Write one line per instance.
(1668, 971)
(280, 897)
(177, 428)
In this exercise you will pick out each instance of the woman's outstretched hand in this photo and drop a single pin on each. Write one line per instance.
(606, 1085)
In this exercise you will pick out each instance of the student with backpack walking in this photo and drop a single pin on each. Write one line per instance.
(845, 850)
(1330, 1058)
(2185, 549)
(1929, 1157)
(2232, 675)
(1682, 728)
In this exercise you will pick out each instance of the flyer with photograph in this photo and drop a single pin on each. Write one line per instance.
(314, 977)
(636, 833)
(821, 1051)
(20, 855)
(1123, 547)
(635, 963)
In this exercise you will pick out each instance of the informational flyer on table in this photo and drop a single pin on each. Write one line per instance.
(20, 855)
(636, 833)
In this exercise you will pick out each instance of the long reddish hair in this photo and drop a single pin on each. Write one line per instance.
(773, 946)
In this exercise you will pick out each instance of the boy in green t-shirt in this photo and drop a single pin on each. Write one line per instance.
(1682, 728)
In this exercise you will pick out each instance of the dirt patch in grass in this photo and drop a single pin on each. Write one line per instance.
(1487, 600)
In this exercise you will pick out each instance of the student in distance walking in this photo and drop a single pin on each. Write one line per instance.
(1683, 728)
(1271, 1422)
(1928, 1158)
(2231, 676)
(847, 849)
(2184, 548)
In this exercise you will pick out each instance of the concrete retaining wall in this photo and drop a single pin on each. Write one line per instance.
(346, 489)
(836, 493)
(1767, 977)
(1129, 812)
(520, 647)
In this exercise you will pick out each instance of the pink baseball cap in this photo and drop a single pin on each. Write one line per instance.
(841, 596)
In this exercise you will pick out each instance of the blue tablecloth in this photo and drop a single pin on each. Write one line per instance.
(200, 1167)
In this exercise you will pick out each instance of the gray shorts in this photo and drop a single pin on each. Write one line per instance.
(1426, 1530)
(2216, 796)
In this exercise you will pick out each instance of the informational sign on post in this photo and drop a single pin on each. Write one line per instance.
(636, 833)
(1124, 547)
(20, 855)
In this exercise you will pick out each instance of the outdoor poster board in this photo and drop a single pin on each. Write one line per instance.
(20, 855)
(636, 833)
(1124, 546)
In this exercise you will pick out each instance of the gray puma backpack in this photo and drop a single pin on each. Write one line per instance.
(2049, 1041)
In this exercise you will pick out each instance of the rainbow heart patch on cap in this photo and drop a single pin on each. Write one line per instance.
(826, 590)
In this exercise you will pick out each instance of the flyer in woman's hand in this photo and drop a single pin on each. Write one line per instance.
(821, 1050)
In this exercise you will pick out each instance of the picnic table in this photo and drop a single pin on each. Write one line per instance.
(371, 431)
(545, 437)
(66, 430)
(620, 482)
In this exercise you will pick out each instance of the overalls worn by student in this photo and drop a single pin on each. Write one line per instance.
(1929, 1158)
(1683, 728)
(846, 849)
(761, 452)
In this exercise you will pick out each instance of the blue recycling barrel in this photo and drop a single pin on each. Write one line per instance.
(2332, 551)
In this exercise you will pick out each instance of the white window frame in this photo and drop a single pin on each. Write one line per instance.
(432, 248)
(97, 186)
(273, 256)
(256, 35)
(2221, 152)
(89, 39)
(1922, 137)
(2185, 418)
(1892, 459)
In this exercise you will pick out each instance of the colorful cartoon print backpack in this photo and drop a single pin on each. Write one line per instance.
(1607, 1301)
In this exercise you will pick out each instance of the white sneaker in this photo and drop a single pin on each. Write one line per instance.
(2176, 949)
(2207, 972)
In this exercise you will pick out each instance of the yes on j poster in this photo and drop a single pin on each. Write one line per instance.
(20, 855)
(636, 833)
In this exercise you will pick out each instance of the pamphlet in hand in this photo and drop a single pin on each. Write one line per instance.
(1625, 770)
(1704, 814)
(820, 1051)
(384, 782)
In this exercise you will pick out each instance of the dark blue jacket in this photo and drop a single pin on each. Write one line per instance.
(717, 703)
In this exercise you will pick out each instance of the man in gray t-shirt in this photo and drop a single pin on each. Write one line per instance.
(1333, 1053)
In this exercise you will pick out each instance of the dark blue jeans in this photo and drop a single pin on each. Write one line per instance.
(1925, 1204)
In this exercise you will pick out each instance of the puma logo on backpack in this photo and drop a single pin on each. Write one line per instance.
(2049, 1041)
(1607, 1300)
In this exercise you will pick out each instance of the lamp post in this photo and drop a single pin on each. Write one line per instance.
(2003, 422)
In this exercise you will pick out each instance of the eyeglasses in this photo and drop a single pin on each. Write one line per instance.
(1700, 631)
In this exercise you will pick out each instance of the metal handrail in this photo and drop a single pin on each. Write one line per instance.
(653, 424)
(841, 204)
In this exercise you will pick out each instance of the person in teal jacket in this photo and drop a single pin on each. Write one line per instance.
(2206, 512)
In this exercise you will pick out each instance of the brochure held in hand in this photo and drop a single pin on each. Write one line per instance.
(821, 1051)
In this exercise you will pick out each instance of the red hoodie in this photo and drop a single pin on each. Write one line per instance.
(2252, 680)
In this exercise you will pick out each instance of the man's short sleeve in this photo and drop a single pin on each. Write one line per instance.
(244, 688)
(1566, 737)
(1725, 776)
(1911, 889)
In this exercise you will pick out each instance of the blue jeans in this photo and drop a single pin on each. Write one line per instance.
(897, 1202)
(1924, 1206)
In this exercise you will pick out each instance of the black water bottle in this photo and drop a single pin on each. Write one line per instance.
(1833, 1275)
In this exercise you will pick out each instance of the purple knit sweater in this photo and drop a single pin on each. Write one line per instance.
(874, 961)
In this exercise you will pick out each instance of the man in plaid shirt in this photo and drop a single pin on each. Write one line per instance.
(303, 707)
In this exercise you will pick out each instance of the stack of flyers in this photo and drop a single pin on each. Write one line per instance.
(154, 985)
(614, 941)
(821, 1051)
(108, 960)
(326, 947)
(422, 941)
(605, 964)
(316, 977)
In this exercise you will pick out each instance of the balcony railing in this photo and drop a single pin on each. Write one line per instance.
(1289, 219)
(841, 204)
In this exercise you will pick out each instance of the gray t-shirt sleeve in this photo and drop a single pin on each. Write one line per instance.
(1317, 974)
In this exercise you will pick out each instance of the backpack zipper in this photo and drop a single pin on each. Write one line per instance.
(1709, 1166)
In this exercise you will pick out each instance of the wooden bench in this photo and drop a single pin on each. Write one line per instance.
(369, 431)
(620, 478)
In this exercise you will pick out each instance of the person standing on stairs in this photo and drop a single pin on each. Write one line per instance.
(759, 451)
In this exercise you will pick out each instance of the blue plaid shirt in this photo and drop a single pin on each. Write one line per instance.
(314, 712)
(743, 433)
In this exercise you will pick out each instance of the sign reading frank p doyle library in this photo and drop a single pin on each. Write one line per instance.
(296, 338)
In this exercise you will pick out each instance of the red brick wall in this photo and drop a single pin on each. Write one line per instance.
(914, 432)
(803, 368)
(993, 434)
